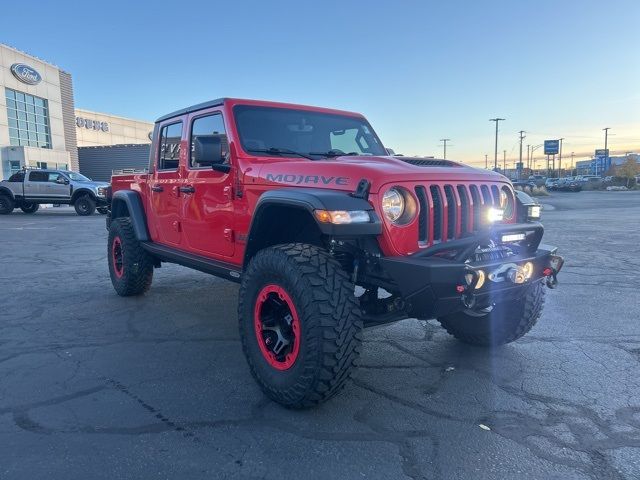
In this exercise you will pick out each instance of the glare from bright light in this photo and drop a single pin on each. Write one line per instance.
(495, 215)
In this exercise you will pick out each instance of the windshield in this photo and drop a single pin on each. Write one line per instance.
(77, 177)
(302, 133)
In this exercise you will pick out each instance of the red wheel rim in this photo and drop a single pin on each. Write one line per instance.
(116, 257)
(277, 327)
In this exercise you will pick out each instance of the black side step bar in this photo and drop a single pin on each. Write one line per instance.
(224, 270)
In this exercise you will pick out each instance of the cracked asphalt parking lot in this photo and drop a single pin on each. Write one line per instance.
(96, 386)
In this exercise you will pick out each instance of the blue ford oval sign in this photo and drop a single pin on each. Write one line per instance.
(26, 74)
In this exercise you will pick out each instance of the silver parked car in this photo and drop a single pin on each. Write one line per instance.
(29, 188)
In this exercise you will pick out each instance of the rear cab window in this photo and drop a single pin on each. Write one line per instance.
(169, 146)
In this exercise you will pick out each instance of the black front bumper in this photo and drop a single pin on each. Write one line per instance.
(441, 279)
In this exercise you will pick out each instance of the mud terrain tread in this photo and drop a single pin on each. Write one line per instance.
(138, 264)
(331, 316)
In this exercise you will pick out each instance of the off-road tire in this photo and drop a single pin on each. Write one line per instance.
(506, 323)
(29, 207)
(329, 317)
(136, 272)
(6, 204)
(85, 205)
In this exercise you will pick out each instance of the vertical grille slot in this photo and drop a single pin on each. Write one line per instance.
(437, 212)
(496, 195)
(423, 216)
(486, 195)
(452, 207)
(465, 209)
(477, 206)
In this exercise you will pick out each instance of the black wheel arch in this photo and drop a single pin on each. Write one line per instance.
(7, 192)
(287, 215)
(80, 193)
(127, 203)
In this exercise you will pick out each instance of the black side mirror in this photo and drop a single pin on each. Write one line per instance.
(207, 150)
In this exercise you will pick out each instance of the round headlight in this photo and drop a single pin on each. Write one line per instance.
(507, 203)
(393, 204)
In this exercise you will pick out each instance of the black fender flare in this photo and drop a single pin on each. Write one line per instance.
(80, 192)
(309, 200)
(127, 203)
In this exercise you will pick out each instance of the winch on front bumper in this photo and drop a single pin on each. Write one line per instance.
(491, 266)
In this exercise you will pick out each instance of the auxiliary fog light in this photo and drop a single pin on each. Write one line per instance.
(495, 214)
(527, 269)
(481, 279)
(513, 237)
(534, 212)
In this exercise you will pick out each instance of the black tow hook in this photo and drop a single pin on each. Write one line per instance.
(551, 272)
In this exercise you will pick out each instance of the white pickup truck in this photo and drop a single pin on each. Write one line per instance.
(28, 189)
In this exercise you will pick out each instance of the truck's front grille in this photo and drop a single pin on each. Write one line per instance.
(453, 210)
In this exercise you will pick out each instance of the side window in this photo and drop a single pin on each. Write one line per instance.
(38, 176)
(53, 177)
(17, 177)
(170, 136)
(210, 126)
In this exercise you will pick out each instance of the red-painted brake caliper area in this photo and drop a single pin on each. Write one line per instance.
(277, 327)
(116, 257)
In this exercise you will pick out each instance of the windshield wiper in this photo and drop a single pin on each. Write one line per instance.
(279, 151)
(333, 153)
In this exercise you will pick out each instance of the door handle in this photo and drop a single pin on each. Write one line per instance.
(157, 188)
(187, 189)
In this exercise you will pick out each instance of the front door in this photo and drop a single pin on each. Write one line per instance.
(207, 207)
(58, 186)
(164, 185)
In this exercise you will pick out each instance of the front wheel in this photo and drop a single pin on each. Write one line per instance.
(85, 205)
(29, 207)
(130, 266)
(300, 324)
(6, 205)
(505, 323)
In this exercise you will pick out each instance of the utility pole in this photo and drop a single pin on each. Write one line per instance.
(560, 158)
(522, 137)
(444, 141)
(572, 163)
(486, 162)
(606, 153)
(495, 157)
(504, 162)
(528, 159)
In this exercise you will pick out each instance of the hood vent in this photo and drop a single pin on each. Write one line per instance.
(428, 162)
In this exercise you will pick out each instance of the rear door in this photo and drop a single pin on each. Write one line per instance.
(207, 207)
(35, 185)
(165, 182)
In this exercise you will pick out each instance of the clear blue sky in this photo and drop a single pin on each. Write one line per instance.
(419, 70)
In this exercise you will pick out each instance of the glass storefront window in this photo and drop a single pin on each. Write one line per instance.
(28, 119)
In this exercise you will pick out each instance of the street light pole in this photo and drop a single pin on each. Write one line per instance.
(560, 158)
(606, 153)
(495, 157)
(504, 161)
(444, 141)
(522, 137)
(572, 163)
(528, 159)
(486, 162)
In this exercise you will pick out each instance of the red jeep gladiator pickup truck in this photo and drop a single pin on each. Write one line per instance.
(301, 205)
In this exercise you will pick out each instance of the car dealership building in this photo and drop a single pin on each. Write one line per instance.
(39, 124)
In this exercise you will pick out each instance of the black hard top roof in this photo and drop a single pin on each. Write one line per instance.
(193, 108)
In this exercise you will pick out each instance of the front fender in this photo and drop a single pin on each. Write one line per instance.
(127, 203)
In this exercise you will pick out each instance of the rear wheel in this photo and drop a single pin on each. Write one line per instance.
(504, 323)
(130, 266)
(29, 207)
(300, 324)
(85, 205)
(6, 204)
